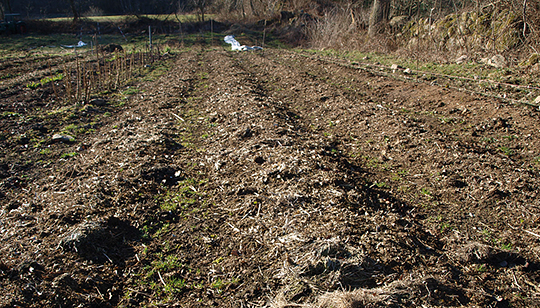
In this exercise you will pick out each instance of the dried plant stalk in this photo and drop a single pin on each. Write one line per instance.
(131, 66)
(78, 78)
(108, 75)
(84, 78)
(93, 80)
(52, 81)
(117, 81)
(67, 82)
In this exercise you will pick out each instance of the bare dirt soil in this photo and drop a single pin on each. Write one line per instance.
(275, 178)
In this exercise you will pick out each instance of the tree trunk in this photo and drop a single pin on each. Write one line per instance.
(202, 6)
(74, 10)
(8, 6)
(379, 12)
(253, 10)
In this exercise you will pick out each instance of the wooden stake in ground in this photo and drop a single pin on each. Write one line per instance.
(131, 65)
(264, 34)
(84, 77)
(117, 81)
(524, 17)
(52, 80)
(67, 81)
(78, 81)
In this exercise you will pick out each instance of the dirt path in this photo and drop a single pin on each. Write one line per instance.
(253, 179)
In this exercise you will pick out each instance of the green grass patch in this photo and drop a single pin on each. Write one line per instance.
(130, 91)
(446, 226)
(161, 275)
(46, 151)
(381, 185)
(425, 191)
(218, 284)
(506, 246)
(69, 155)
(482, 268)
(9, 114)
(32, 85)
(75, 129)
(431, 70)
(128, 18)
(403, 172)
(506, 150)
(184, 195)
(42, 47)
(46, 80)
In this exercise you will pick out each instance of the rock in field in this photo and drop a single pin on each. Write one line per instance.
(461, 59)
(63, 138)
(497, 61)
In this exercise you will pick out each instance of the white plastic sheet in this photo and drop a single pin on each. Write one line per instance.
(80, 44)
(236, 46)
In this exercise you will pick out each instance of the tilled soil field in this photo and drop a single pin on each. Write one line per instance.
(268, 179)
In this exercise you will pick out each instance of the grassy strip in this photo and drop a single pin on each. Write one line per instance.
(51, 45)
(470, 69)
(121, 18)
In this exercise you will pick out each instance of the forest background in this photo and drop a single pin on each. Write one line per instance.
(437, 29)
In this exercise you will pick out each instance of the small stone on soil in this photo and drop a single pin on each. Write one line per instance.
(461, 59)
(497, 61)
(63, 138)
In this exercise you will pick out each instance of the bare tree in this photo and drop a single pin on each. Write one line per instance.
(7, 6)
(74, 10)
(127, 6)
(253, 10)
(380, 11)
(201, 6)
(28, 8)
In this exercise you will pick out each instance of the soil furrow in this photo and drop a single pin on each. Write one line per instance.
(272, 178)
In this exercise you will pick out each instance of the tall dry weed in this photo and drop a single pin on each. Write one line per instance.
(338, 29)
(531, 24)
(434, 35)
(246, 11)
(346, 29)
